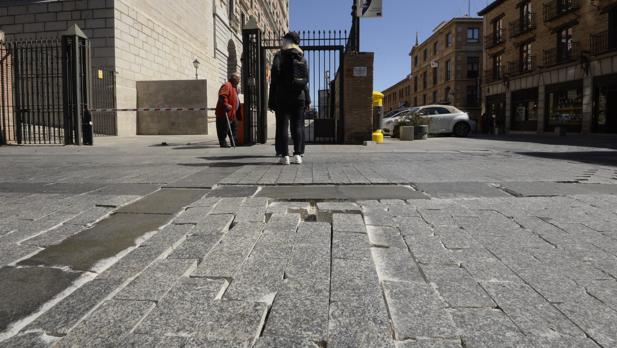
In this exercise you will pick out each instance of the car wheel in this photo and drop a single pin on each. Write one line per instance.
(462, 129)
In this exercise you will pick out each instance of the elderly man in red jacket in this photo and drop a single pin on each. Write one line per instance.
(227, 108)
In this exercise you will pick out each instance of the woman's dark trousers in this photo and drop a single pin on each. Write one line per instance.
(295, 116)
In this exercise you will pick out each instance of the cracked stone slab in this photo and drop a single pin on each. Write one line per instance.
(414, 225)
(257, 280)
(348, 223)
(425, 316)
(299, 312)
(486, 328)
(457, 287)
(395, 264)
(429, 250)
(131, 264)
(531, 313)
(156, 280)
(24, 290)
(169, 237)
(484, 267)
(182, 310)
(108, 325)
(59, 320)
(227, 256)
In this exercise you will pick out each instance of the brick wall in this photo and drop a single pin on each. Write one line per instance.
(7, 125)
(358, 100)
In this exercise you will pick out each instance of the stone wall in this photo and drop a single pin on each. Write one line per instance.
(358, 98)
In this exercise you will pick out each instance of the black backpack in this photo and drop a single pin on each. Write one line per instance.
(294, 73)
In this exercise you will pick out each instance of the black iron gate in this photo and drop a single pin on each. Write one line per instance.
(104, 98)
(323, 51)
(44, 90)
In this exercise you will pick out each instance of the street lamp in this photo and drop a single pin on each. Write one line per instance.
(196, 65)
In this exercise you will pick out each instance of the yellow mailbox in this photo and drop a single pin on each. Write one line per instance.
(377, 99)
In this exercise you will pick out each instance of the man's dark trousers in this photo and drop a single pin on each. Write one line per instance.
(222, 130)
(295, 116)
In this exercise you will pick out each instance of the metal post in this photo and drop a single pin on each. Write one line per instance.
(356, 26)
(75, 84)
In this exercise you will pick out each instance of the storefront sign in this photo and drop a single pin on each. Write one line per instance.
(369, 8)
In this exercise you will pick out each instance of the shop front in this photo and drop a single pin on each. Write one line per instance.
(495, 116)
(564, 107)
(605, 105)
(524, 113)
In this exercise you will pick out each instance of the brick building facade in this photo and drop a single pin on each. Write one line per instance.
(398, 95)
(551, 64)
(446, 67)
(150, 40)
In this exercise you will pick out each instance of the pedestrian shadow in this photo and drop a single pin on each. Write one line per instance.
(233, 158)
(226, 164)
(605, 158)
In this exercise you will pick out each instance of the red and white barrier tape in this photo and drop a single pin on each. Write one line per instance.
(151, 109)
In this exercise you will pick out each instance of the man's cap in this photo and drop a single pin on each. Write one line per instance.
(293, 37)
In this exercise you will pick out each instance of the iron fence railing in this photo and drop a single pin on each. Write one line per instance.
(562, 55)
(104, 97)
(603, 42)
(494, 39)
(520, 67)
(523, 25)
(493, 75)
(554, 9)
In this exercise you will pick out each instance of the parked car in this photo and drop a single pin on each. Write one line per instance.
(444, 119)
(393, 117)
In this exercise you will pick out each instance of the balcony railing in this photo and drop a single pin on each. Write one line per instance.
(494, 39)
(554, 9)
(492, 75)
(603, 42)
(556, 56)
(523, 25)
(522, 67)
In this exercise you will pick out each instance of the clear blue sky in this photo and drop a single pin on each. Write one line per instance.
(390, 37)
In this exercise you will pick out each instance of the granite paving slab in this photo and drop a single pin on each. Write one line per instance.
(10, 252)
(385, 237)
(195, 247)
(233, 191)
(228, 205)
(147, 341)
(156, 280)
(396, 264)
(193, 215)
(353, 246)
(108, 325)
(214, 224)
(63, 316)
(54, 236)
(594, 317)
(426, 316)
(348, 223)
(429, 343)
(284, 342)
(30, 340)
(486, 328)
(352, 325)
(165, 201)
(460, 190)
(457, 287)
(232, 321)
(24, 290)
(340, 192)
(257, 280)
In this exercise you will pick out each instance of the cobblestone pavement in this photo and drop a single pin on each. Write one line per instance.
(499, 244)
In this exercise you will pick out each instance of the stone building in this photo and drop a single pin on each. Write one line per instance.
(446, 67)
(398, 95)
(150, 40)
(551, 65)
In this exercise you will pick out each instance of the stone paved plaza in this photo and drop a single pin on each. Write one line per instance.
(508, 242)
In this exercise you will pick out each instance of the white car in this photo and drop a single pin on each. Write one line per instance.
(444, 119)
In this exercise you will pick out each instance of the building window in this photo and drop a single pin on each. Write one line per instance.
(424, 99)
(526, 16)
(415, 83)
(231, 9)
(526, 58)
(497, 67)
(565, 44)
(449, 40)
(498, 31)
(565, 107)
(425, 55)
(473, 35)
(415, 101)
(435, 48)
(424, 80)
(448, 70)
(435, 97)
(473, 67)
(415, 61)
(472, 96)
(435, 76)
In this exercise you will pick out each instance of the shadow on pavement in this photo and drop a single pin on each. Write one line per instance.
(606, 158)
(226, 164)
(596, 141)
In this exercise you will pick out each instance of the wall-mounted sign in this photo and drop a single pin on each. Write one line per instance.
(360, 71)
(369, 8)
(100, 74)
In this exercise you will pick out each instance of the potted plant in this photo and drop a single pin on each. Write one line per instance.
(419, 123)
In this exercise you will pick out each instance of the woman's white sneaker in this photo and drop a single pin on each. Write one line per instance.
(284, 161)
(298, 159)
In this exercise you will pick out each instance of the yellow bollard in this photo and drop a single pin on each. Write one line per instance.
(378, 136)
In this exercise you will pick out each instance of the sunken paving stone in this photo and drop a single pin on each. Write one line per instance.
(55, 236)
(30, 340)
(233, 191)
(24, 290)
(108, 325)
(156, 280)
(227, 256)
(251, 214)
(457, 287)
(396, 265)
(287, 207)
(182, 310)
(166, 201)
(486, 328)
(425, 316)
(63, 316)
(342, 192)
(106, 239)
(378, 217)
(348, 223)
(385, 237)
(256, 202)
(529, 311)
(460, 190)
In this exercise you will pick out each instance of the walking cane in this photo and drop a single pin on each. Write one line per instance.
(231, 134)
